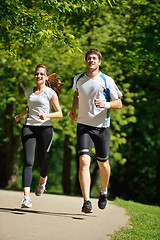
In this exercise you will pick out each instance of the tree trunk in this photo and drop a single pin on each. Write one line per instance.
(157, 201)
(11, 146)
(66, 181)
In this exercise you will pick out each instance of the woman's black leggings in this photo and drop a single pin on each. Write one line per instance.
(32, 136)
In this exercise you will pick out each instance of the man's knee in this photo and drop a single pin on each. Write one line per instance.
(104, 165)
(84, 161)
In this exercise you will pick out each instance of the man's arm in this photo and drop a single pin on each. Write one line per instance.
(72, 114)
(115, 104)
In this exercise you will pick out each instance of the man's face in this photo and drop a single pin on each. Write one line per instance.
(92, 62)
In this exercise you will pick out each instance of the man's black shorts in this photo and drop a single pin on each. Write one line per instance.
(87, 135)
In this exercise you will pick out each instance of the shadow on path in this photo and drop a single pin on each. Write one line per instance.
(24, 211)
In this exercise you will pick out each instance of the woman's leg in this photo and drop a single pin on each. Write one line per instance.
(44, 141)
(29, 143)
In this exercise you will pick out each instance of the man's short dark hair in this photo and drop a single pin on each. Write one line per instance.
(94, 51)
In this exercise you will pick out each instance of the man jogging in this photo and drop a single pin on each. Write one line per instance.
(93, 92)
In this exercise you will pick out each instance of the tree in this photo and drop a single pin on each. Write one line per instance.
(27, 27)
(137, 178)
(42, 22)
(127, 35)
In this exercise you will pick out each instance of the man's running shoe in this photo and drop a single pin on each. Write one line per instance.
(102, 201)
(41, 188)
(26, 202)
(87, 207)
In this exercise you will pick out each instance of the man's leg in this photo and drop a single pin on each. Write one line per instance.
(85, 182)
(102, 145)
(104, 174)
(84, 146)
(84, 175)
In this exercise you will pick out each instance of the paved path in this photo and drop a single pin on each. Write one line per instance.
(56, 217)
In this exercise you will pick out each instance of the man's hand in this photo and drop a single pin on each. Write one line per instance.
(72, 115)
(99, 103)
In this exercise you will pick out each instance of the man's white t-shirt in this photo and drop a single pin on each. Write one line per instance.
(89, 88)
(38, 104)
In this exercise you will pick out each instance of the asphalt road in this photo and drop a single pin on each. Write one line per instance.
(56, 217)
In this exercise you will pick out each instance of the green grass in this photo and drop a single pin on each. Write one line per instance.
(144, 223)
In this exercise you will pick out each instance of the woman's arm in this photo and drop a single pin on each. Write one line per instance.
(57, 108)
(19, 116)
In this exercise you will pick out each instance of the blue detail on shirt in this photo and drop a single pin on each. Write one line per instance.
(82, 75)
(106, 91)
(107, 94)
(103, 77)
(108, 117)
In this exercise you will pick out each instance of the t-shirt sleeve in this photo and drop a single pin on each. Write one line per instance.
(50, 93)
(28, 92)
(74, 87)
(75, 81)
(115, 93)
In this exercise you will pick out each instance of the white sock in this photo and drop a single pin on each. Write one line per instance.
(25, 196)
(104, 192)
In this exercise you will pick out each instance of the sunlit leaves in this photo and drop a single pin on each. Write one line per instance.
(40, 22)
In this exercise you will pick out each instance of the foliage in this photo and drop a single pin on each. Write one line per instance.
(144, 222)
(36, 23)
(139, 65)
(57, 34)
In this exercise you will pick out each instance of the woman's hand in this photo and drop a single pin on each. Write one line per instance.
(17, 118)
(43, 116)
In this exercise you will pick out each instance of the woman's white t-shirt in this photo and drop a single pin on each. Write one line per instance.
(38, 104)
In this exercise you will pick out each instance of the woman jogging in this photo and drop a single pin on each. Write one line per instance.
(37, 128)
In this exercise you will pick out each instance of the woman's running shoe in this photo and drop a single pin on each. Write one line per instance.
(41, 188)
(26, 202)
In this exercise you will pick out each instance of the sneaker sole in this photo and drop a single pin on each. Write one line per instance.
(102, 207)
(87, 210)
(38, 194)
(24, 206)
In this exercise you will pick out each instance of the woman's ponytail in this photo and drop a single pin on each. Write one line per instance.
(54, 83)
